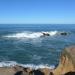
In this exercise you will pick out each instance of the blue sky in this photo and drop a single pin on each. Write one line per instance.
(37, 11)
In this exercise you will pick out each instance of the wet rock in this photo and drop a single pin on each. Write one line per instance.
(46, 34)
(64, 33)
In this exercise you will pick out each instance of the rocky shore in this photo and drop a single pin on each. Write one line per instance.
(66, 66)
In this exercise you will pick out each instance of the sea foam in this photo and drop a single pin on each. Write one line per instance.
(29, 34)
(13, 63)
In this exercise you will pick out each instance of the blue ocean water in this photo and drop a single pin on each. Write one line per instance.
(24, 43)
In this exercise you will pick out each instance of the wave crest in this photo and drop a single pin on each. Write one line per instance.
(13, 63)
(30, 34)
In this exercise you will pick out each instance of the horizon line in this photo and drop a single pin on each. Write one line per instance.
(37, 23)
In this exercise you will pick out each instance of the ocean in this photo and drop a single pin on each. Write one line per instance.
(24, 44)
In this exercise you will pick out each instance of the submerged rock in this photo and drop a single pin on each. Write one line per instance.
(64, 33)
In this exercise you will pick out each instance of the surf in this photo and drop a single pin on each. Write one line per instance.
(31, 35)
(33, 66)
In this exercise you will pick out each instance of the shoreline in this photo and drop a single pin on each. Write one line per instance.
(66, 66)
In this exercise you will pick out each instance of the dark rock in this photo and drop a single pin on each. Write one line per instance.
(46, 34)
(70, 73)
(25, 69)
(19, 73)
(36, 72)
(51, 73)
(63, 33)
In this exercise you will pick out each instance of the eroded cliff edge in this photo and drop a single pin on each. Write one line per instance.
(66, 66)
(67, 62)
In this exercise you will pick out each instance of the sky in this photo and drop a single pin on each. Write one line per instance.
(37, 11)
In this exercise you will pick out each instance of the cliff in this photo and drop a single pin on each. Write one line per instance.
(67, 62)
(66, 66)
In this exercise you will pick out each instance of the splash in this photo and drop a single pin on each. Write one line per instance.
(30, 34)
(13, 63)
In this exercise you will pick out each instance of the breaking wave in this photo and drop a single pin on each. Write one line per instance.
(30, 34)
(13, 63)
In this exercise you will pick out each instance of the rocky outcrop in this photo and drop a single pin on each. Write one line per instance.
(18, 70)
(66, 66)
(67, 62)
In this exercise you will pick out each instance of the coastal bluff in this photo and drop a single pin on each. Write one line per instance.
(67, 62)
(66, 66)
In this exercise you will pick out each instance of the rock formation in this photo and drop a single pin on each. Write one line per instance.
(67, 62)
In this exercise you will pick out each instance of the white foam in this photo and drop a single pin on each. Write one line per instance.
(24, 35)
(38, 66)
(29, 34)
(13, 63)
(7, 63)
(52, 33)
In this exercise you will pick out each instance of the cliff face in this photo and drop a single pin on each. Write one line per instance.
(66, 66)
(67, 62)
